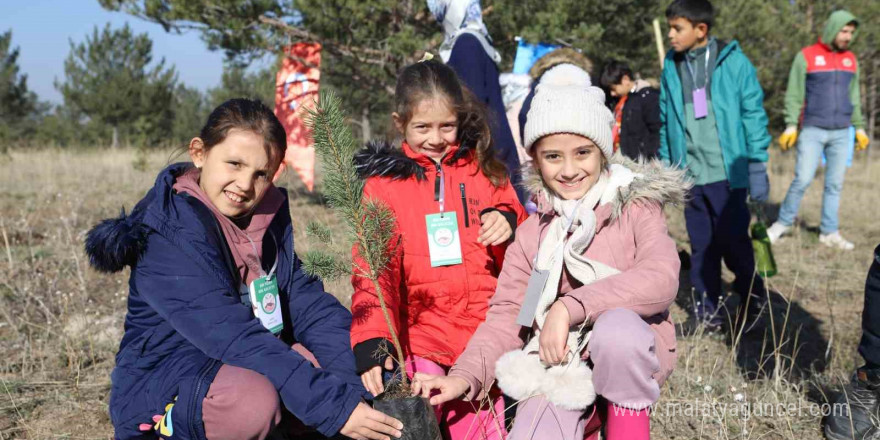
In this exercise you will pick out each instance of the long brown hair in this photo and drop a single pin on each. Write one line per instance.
(430, 79)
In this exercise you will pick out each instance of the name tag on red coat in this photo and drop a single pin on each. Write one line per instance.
(444, 241)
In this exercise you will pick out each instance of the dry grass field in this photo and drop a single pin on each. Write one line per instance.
(60, 321)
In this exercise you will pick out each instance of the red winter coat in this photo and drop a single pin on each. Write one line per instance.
(435, 310)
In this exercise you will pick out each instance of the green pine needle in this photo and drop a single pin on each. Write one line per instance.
(320, 232)
(325, 265)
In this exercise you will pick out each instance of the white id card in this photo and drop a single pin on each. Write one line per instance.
(265, 300)
(535, 288)
(444, 243)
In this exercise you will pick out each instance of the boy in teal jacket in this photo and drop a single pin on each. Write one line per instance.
(713, 124)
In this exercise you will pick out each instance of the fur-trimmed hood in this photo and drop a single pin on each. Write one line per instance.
(565, 55)
(381, 158)
(115, 243)
(654, 182)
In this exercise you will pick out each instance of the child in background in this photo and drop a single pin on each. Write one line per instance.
(714, 125)
(596, 256)
(195, 362)
(636, 128)
(438, 293)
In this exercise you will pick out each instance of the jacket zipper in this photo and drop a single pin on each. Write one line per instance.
(834, 86)
(464, 207)
(437, 181)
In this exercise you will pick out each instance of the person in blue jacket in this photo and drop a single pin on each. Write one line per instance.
(217, 296)
(468, 49)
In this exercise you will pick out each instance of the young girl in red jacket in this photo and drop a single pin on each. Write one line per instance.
(582, 305)
(456, 212)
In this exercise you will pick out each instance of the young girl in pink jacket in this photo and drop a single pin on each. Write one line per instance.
(582, 303)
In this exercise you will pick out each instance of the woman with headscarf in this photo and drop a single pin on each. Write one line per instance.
(467, 48)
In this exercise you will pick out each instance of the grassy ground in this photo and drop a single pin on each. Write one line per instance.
(60, 321)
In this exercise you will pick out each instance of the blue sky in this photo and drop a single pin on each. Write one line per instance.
(41, 30)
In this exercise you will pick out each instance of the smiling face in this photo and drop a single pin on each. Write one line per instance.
(569, 164)
(432, 128)
(235, 173)
(684, 35)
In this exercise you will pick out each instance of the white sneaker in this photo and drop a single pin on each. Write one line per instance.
(776, 231)
(835, 240)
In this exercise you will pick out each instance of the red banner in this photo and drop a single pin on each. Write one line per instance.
(296, 89)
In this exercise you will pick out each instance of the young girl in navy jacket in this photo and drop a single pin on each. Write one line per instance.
(218, 296)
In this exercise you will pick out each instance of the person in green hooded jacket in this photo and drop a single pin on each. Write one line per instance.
(714, 125)
(823, 95)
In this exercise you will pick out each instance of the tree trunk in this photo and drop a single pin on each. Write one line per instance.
(366, 130)
(115, 143)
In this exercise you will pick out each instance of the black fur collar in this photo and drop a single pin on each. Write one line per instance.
(381, 158)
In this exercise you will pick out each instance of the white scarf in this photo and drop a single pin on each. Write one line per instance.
(581, 215)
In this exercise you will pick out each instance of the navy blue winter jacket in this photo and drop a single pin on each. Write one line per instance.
(480, 74)
(185, 318)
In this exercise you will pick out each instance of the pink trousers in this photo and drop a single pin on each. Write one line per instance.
(242, 404)
(461, 420)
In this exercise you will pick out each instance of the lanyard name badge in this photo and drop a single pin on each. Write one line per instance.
(444, 241)
(265, 298)
(538, 278)
(701, 103)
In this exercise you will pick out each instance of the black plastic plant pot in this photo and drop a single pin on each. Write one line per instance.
(416, 414)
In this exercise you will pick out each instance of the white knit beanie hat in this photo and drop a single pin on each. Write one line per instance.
(565, 101)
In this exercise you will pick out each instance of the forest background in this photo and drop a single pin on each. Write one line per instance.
(116, 90)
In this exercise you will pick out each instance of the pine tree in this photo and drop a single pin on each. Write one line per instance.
(237, 82)
(366, 43)
(369, 225)
(190, 113)
(17, 103)
(109, 79)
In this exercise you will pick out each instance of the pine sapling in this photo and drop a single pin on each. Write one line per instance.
(369, 224)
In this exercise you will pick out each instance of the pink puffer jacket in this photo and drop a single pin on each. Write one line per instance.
(631, 236)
